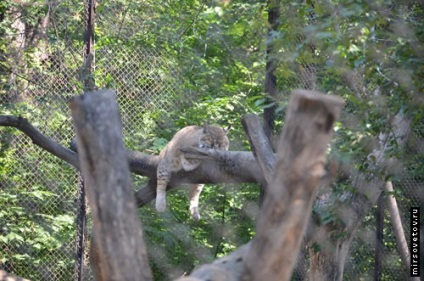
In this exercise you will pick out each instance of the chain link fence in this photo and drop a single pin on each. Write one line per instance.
(39, 192)
(38, 195)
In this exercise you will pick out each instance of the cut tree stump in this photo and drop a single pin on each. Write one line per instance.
(117, 230)
(299, 171)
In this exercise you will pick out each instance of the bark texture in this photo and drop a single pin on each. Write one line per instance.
(379, 243)
(401, 243)
(217, 166)
(260, 145)
(262, 149)
(270, 86)
(102, 157)
(299, 171)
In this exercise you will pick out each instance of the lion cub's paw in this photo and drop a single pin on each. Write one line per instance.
(160, 204)
(195, 213)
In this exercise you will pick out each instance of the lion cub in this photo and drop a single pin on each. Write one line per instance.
(173, 160)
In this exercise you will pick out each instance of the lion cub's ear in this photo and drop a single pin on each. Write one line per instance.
(226, 129)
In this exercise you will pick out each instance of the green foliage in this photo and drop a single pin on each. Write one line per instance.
(176, 243)
(368, 52)
(34, 221)
(35, 225)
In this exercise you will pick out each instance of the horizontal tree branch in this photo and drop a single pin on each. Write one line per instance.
(228, 268)
(39, 139)
(217, 167)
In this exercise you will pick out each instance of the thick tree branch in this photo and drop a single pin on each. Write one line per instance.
(335, 248)
(299, 171)
(39, 139)
(270, 86)
(260, 144)
(402, 245)
(287, 207)
(229, 268)
(219, 167)
(117, 230)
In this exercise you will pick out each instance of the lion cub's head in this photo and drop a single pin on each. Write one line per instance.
(214, 137)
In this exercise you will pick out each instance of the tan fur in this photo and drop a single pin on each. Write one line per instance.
(173, 160)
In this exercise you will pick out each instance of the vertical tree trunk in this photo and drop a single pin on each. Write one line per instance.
(14, 61)
(379, 245)
(271, 64)
(87, 74)
(401, 243)
(80, 230)
(328, 257)
(14, 56)
(299, 171)
(117, 229)
(88, 84)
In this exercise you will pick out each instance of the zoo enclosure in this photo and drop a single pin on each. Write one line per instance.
(40, 191)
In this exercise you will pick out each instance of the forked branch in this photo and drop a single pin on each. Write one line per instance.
(299, 171)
